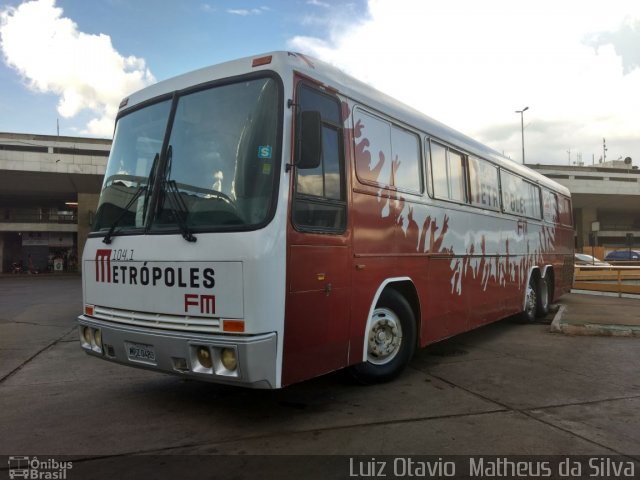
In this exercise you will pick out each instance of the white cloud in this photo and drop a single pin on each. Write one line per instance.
(625, 41)
(84, 70)
(318, 3)
(244, 12)
(472, 64)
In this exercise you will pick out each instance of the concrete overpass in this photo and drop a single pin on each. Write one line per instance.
(606, 193)
(49, 187)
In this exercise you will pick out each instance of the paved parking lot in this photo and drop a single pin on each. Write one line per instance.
(505, 389)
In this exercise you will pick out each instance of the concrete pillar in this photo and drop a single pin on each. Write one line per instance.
(1, 252)
(87, 205)
(587, 216)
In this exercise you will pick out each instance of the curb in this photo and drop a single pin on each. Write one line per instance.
(556, 326)
(561, 326)
(604, 294)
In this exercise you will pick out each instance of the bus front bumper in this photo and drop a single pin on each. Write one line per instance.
(209, 358)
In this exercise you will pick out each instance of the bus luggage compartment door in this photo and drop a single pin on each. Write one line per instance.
(317, 311)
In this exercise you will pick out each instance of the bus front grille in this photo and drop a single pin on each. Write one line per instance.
(158, 320)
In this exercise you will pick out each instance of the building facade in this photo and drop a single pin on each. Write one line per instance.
(49, 188)
(606, 202)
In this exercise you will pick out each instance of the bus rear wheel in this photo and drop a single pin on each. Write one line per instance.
(391, 340)
(542, 299)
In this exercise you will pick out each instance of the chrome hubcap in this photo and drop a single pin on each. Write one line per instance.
(531, 300)
(385, 336)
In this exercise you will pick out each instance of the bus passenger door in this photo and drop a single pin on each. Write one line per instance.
(317, 305)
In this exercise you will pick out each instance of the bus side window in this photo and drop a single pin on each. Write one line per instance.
(534, 200)
(549, 206)
(320, 200)
(405, 152)
(484, 183)
(448, 173)
(457, 177)
(439, 170)
(514, 198)
(565, 211)
(519, 196)
(386, 155)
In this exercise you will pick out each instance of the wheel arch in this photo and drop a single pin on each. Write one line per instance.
(405, 287)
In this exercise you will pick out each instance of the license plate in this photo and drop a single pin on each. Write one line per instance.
(140, 352)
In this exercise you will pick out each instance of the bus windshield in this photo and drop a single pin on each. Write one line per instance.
(218, 170)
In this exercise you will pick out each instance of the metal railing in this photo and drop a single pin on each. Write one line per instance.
(39, 218)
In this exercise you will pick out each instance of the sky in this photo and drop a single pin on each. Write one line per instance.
(470, 64)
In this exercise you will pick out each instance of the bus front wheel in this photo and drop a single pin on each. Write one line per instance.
(391, 340)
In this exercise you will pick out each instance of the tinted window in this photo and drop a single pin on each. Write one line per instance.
(311, 99)
(565, 211)
(448, 173)
(373, 149)
(485, 184)
(222, 158)
(519, 196)
(137, 142)
(456, 176)
(324, 181)
(405, 151)
(549, 206)
(386, 154)
(439, 170)
(320, 203)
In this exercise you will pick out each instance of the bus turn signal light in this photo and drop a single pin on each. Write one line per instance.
(236, 326)
(89, 310)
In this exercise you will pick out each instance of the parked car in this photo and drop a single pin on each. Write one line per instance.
(584, 259)
(623, 256)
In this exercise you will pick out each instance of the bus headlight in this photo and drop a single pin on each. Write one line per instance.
(229, 359)
(87, 335)
(204, 357)
(91, 338)
(97, 338)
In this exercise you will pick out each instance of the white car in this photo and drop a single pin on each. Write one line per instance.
(584, 259)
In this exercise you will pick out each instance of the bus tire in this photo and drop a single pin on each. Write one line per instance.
(531, 301)
(542, 298)
(391, 340)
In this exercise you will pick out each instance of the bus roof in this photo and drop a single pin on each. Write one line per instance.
(285, 63)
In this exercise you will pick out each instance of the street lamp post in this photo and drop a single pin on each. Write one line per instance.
(521, 112)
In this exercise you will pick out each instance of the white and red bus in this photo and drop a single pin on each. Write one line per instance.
(271, 219)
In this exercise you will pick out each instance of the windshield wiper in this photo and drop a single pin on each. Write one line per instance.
(152, 179)
(179, 209)
(107, 237)
(178, 205)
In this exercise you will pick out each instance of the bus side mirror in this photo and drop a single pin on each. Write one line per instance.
(310, 140)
